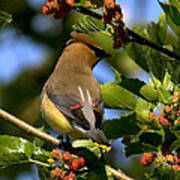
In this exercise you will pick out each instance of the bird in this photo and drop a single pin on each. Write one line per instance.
(71, 99)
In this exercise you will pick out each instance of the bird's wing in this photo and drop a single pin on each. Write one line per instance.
(82, 114)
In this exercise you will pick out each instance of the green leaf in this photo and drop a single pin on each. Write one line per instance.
(142, 110)
(44, 173)
(172, 12)
(80, 3)
(163, 173)
(88, 144)
(117, 97)
(5, 18)
(175, 145)
(157, 31)
(149, 92)
(167, 84)
(151, 137)
(97, 172)
(172, 15)
(138, 148)
(133, 85)
(121, 127)
(14, 150)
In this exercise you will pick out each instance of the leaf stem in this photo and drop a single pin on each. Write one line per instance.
(38, 162)
(135, 37)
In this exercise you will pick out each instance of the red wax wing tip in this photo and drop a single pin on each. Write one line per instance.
(75, 107)
(98, 110)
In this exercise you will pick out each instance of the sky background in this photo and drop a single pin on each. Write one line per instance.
(18, 52)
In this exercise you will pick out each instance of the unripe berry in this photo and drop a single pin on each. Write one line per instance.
(170, 159)
(56, 154)
(159, 159)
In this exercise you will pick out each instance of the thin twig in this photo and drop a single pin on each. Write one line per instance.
(118, 174)
(136, 37)
(28, 128)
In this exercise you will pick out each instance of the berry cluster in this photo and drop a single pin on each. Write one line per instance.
(68, 165)
(59, 9)
(171, 114)
(112, 14)
(169, 119)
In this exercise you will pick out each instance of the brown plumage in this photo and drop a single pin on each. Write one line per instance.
(71, 98)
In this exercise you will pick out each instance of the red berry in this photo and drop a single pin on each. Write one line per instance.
(81, 161)
(70, 2)
(70, 176)
(110, 4)
(176, 167)
(165, 150)
(147, 159)
(45, 10)
(67, 156)
(163, 121)
(64, 7)
(75, 165)
(167, 109)
(58, 14)
(176, 159)
(56, 172)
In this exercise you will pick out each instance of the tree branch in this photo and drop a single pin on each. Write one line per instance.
(136, 37)
(28, 128)
(118, 174)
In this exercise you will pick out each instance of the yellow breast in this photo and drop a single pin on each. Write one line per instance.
(54, 117)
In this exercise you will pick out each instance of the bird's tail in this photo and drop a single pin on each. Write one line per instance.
(98, 136)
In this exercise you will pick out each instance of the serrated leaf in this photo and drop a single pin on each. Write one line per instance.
(133, 85)
(172, 15)
(88, 144)
(121, 127)
(151, 137)
(142, 110)
(167, 84)
(5, 18)
(14, 150)
(172, 12)
(149, 93)
(117, 97)
(138, 148)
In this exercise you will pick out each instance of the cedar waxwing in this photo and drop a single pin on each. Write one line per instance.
(71, 99)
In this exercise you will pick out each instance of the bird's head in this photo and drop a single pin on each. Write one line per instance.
(91, 43)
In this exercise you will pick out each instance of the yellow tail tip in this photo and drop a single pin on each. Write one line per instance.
(104, 147)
